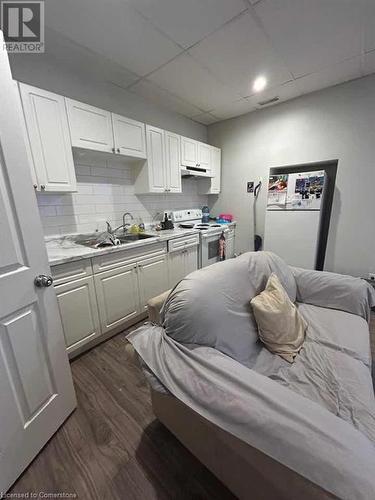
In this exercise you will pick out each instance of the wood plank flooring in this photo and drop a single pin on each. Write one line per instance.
(112, 446)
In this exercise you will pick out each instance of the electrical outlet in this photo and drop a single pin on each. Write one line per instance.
(371, 276)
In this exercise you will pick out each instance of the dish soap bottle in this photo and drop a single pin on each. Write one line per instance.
(205, 215)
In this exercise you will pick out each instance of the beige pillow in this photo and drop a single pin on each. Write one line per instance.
(281, 327)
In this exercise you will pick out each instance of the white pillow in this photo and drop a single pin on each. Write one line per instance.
(280, 326)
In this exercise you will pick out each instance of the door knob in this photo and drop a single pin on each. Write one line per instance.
(43, 281)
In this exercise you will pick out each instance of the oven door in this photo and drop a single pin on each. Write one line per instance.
(210, 247)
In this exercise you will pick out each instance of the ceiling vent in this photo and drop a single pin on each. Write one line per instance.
(269, 101)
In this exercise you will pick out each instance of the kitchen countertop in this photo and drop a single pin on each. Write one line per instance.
(64, 249)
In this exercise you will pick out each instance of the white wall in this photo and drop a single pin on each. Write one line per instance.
(338, 122)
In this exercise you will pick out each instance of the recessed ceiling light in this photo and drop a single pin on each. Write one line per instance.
(259, 84)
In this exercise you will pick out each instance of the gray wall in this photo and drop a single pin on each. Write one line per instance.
(338, 122)
(44, 71)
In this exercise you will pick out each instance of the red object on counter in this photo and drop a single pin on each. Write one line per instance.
(227, 217)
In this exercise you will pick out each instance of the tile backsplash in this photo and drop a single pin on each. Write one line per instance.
(105, 190)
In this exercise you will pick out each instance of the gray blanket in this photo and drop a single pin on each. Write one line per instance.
(316, 417)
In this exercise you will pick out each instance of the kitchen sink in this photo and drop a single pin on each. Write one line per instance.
(128, 238)
(99, 241)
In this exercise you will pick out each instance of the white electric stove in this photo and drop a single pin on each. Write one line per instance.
(209, 233)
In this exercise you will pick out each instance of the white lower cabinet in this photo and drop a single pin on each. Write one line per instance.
(152, 278)
(78, 310)
(103, 294)
(191, 260)
(118, 298)
(182, 258)
(176, 267)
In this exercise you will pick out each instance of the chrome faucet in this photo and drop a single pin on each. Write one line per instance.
(124, 224)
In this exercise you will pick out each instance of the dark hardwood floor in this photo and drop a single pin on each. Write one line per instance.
(112, 446)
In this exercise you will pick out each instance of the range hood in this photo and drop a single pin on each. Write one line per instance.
(195, 172)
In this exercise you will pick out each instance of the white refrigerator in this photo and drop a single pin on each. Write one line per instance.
(293, 217)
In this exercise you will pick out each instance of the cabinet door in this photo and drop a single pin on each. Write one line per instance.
(191, 260)
(129, 136)
(90, 127)
(49, 139)
(152, 278)
(204, 153)
(176, 267)
(172, 162)
(117, 294)
(215, 170)
(189, 152)
(78, 310)
(156, 159)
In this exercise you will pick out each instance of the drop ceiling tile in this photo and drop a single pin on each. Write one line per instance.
(369, 63)
(338, 73)
(188, 80)
(310, 35)
(206, 118)
(113, 29)
(238, 53)
(283, 92)
(188, 21)
(65, 52)
(232, 109)
(161, 97)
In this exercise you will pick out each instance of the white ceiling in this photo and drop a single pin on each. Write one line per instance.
(200, 57)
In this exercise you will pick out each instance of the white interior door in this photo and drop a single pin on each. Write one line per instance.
(36, 390)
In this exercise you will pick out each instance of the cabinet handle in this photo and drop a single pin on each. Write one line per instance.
(43, 187)
(118, 150)
(113, 150)
(35, 186)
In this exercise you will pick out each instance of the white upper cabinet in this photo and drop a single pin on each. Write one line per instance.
(49, 139)
(204, 152)
(129, 136)
(162, 171)
(172, 163)
(90, 127)
(189, 152)
(215, 170)
(156, 159)
(195, 154)
(213, 184)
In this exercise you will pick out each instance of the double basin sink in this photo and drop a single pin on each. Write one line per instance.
(98, 241)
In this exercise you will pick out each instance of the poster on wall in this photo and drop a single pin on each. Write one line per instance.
(277, 191)
(305, 191)
(296, 191)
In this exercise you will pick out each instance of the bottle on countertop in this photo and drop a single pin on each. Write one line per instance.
(205, 215)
